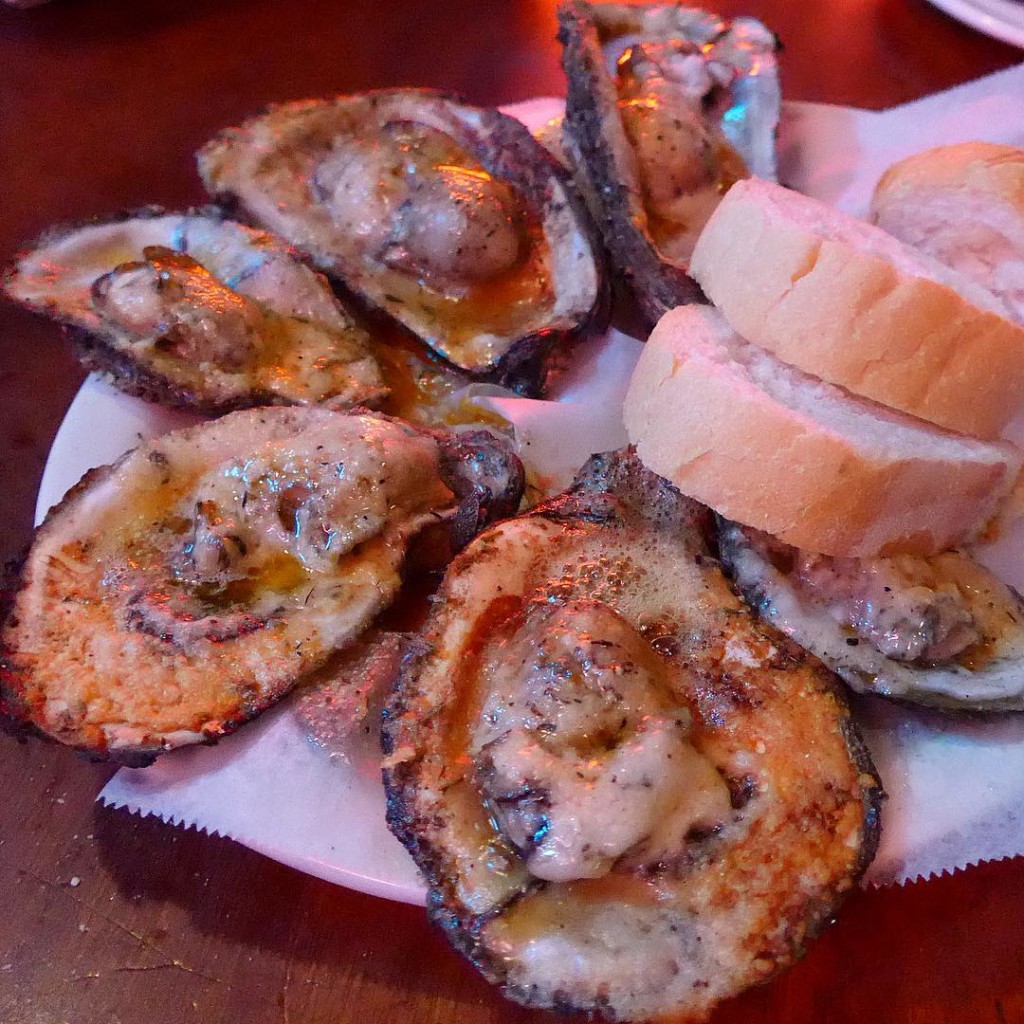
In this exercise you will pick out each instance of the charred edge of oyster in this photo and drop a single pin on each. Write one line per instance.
(657, 285)
(507, 150)
(444, 909)
(622, 473)
(524, 368)
(13, 718)
(487, 477)
(610, 487)
(134, 377)
(15, 715)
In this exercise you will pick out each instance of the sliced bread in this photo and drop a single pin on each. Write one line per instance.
(777, 449)
(964, 205)
(847, 302)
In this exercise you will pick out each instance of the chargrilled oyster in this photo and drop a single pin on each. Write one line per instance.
(195, 310)
(450, 218)
(693, 105)
(939, 631)
(628, 796)
(177, 593)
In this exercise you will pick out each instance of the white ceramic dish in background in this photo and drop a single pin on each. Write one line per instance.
(1001, 19)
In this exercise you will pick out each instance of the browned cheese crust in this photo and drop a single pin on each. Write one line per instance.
(176, 594)
(737, 902)
(502, 146)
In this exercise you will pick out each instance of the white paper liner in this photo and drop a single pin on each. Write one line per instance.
(954, 786)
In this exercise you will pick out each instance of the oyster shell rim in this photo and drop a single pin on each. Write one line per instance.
(133, 377)
(586, 498)
(522, 366)
(913, 693)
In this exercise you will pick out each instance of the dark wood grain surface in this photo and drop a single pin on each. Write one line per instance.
(109, 919)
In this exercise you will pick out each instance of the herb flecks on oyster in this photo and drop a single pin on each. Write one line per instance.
(687, 105)
(195, 310)
(684, 162)
(582, 748)
(450, 218)
(179, 592)
(628, 796)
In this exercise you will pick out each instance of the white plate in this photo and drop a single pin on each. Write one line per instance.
(955, 792)
(231, 787)
(1001, 19)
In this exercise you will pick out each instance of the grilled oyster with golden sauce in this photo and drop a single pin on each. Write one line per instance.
(177, 593)
(450, 218)
(939, 631)
(628, 797)
(693, 105)
(199, 311)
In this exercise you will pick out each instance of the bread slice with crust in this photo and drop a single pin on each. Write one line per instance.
(845, 301)
(779, 450)
(964, 205)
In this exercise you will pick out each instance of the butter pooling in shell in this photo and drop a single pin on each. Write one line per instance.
(174, 595)
(450, 218)
(627, 797)
(196, 310)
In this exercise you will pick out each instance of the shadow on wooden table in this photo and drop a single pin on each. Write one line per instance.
(328, 940)
(945, 963)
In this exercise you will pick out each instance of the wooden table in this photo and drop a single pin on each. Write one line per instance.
(105, 918)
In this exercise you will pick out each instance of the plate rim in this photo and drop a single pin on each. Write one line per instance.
(999, 19)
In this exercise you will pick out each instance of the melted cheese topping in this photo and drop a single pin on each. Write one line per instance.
(590, 695)
(582, 749)
(209, 307)
(193, 584)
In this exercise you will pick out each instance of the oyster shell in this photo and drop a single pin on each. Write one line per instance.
(693, 105)
(628, 796)
(194, 310)
(940, 631)
(177, 593)
(450, 218)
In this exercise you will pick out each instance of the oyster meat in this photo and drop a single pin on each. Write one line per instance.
(450, 218)
(628, 796)
(939, 631)
(179, 592)
(693, 105)
(196, 310)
